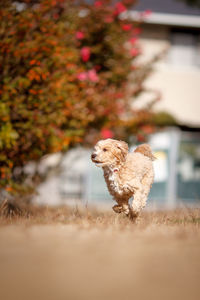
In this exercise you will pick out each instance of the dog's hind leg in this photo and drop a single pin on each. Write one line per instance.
(139, 199)
(147, 182)
(138, 202)
(141, 192)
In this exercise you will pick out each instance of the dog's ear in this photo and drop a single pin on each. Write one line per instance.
(123, 146)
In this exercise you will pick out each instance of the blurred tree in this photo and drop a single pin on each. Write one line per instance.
(64, 79)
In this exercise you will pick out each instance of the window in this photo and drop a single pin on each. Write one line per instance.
(189, 171)
(184, 49)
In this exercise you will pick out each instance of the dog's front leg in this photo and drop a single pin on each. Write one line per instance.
(117, 208)
(122, 206)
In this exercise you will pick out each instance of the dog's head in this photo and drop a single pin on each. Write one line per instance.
(109, 152)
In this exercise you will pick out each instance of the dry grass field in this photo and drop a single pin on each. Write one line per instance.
(72, 254)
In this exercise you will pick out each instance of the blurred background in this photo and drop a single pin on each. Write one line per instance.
(74, 72)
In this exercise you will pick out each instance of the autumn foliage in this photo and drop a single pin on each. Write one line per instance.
(64, 70)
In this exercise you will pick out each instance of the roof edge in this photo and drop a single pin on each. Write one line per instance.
(166, 19)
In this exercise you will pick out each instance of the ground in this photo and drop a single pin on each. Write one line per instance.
(88, 254)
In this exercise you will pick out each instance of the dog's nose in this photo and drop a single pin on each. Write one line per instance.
(93, 156)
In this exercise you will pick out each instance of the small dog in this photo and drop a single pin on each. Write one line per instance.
(126, 174)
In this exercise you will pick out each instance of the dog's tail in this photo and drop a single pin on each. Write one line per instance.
(145, 149)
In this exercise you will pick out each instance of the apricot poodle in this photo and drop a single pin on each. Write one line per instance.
(126, 174)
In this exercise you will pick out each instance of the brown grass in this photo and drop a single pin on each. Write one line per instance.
(83, 253)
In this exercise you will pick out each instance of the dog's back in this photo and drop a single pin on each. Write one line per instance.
(139, 162)
(145, 149)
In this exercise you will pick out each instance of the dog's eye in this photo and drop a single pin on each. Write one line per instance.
(104, 149)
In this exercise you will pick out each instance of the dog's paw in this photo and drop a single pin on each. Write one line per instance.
(118, 209)
(133, 215)
(126, 209)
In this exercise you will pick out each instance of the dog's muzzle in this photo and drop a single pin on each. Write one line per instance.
(93, 156)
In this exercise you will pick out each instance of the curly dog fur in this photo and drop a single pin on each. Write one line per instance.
(126, 174)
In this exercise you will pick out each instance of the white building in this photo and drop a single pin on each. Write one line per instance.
(174, 26)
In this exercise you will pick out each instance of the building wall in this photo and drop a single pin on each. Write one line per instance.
(177, 75)
(180, 90)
